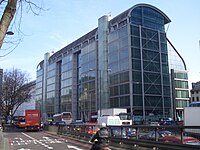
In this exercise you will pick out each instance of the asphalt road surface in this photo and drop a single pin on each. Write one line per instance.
(42, 141)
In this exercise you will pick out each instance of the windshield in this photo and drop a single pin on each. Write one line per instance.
(125, 116)
(66, 116)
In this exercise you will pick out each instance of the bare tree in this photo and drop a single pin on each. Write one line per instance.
(16, 90)
(7, 17)
(12, 16)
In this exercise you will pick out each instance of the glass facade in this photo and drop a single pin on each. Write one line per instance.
(118, 54)
(123, 63)
(179, 80)
(86, 81)
(150, 69)
(66, 84)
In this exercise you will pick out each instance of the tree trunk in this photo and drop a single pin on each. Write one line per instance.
(6, 19)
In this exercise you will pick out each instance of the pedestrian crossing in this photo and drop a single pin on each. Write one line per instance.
(43, 141)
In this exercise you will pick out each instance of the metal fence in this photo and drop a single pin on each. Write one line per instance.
(131, 137)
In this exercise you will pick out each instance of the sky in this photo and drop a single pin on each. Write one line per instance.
(64, 21)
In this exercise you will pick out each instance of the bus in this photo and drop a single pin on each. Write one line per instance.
(18, 121)
(64, 118)
(194, 104)
(21, 122)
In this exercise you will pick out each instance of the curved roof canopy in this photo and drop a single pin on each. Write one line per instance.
(166, 18)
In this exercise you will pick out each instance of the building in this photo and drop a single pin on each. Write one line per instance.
(29, 104)
(195, 92)
(123, 63)
(179, 83)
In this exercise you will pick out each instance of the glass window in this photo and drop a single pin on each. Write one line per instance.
(84, 58)
(124, 77)
(180, 75)
(92, 85)
(164, 47)
(164, 58)
(151, 56)
(163, 37)
(193, 99)
(137, 77)
(123, 54)
(92, 55)
(124, 101)
(147, 17)
(149, 44)
(123, 42)
(136, 64)
(166, 90)
(122, 32)
(113, 47)
(166, 80)
(114, 67)
(135, 31)
(182, 94)
(152, 89)
(124, 65)
(136, 53)
(151, 66)
(51, 67)
(113, 57)
(51, 73)
(124, 89)
(112, 36)
(149, 34)
(114, 102)
(182, 103)
(165, 68)
(167, 102)
(114, 91)
(137, 100)
(181, 84)
(114, 79)
(135, 41)
(152, 78)
(153, 101)
(137, 88)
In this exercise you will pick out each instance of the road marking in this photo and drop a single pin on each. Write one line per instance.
(23, 149)
(18, 138)
(74, 147)
(37, 141)
(44, 137)
(43, 142)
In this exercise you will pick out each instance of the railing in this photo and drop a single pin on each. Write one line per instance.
(125, 141)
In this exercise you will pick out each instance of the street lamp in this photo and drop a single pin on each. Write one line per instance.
(10, 33)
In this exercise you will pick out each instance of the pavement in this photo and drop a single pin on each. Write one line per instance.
(4, 142)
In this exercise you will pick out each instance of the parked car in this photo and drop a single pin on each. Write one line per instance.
(154, 124)
(152, 135)
(177, 139)
(167, 121)
(131, 132)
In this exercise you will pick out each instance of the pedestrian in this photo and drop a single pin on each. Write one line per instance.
(100, 140)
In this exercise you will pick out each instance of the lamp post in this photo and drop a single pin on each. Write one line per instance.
(10, 33)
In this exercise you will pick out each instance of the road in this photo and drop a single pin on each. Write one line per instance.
(22, 140)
